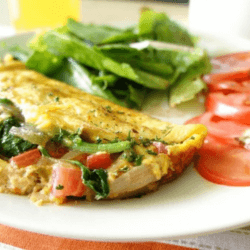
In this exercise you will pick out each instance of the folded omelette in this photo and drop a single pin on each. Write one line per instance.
(59, 143)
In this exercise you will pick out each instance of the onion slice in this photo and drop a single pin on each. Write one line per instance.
(30, 133)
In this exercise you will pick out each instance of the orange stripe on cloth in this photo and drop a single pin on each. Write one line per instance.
(34, 241)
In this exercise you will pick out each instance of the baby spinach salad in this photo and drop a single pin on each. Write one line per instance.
(121, 65)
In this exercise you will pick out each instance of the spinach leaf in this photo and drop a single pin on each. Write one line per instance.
(19, 53)
(100, 34)
(70, 46)
(159, 27)
(96, 179)
(82, 78)
(11, 145)
(50, 63)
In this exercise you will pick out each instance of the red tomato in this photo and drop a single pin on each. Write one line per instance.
(235, 107)
(161, 148)
(67, 182)
(56, 150)
(228, 87)
(99, 160)
(234, 67)
(223, 163)
(229, 130)
(27, 158)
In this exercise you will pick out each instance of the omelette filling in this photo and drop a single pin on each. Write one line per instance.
(63, 166)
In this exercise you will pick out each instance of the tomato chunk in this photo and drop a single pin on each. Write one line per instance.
(27, 158)
(99, 160)
(223, 163)
(235, 107)
(161, 148)
(67, 181)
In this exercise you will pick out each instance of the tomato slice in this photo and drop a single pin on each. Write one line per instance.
(228, 87)
(67, 182)
(235, 66)
(235, 107)
(223, 163)
(229, 130)
(99, 160)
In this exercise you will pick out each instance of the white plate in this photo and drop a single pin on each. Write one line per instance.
(186, 207)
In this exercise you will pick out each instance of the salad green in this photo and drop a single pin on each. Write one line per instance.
(122, 65)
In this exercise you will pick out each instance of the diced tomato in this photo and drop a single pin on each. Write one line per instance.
(234, 67)
(99, 160)
(27, 158)
(226, 129)
(223, 163)
(161, 147)
(56, 150)
(67, 181)
(81, 158)
(235, 107)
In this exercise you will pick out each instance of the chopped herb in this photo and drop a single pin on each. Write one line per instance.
(131, 156)
(43, 151)
(120, 112)
(151, 152)
(98, 139)
(192, 137)
(57, 99)
(160, 140)
(124, 169)
(108, 108)
(50, 94)
(145, 142)
(59, 187)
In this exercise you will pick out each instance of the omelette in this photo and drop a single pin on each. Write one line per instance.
(59, 143)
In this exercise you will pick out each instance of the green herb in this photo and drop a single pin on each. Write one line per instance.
(145, 142)
(108, 108)
(6, 101)
(159, 140)
(124, 169)
(131, 156)
(11, 145)
(43, 151)
(120, 112)
(59, 187)
(98, 139)
(57, 99)
(96, 179)
(151, 152)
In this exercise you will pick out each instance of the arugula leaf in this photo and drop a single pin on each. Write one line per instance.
(11, 145)
(97, 180)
